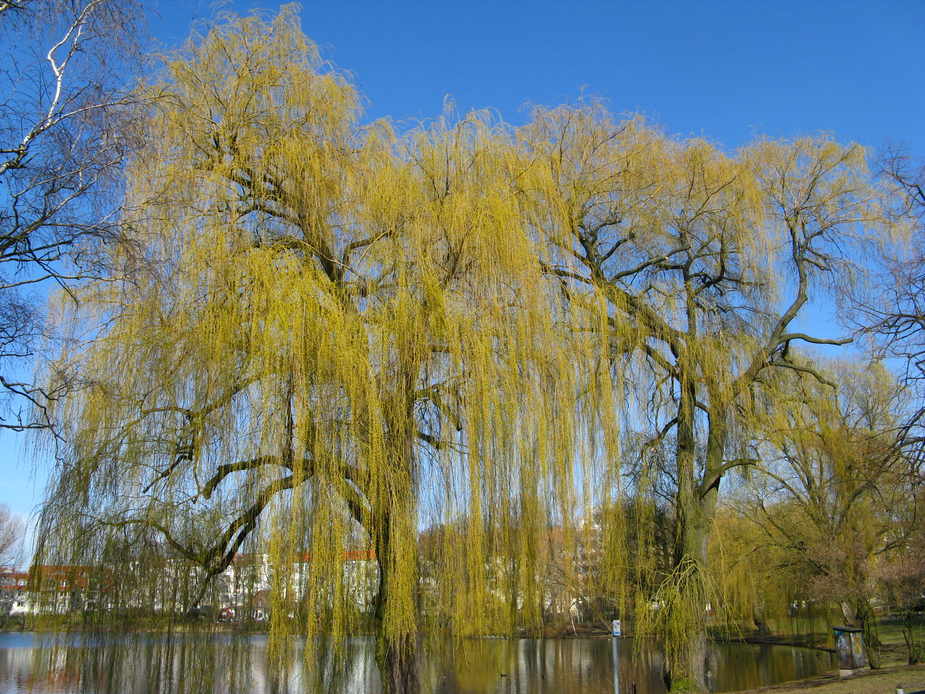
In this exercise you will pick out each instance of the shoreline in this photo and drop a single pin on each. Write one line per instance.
(234, 628)
(867, 681)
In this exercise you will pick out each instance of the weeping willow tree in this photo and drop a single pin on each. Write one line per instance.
(336, 338)
(694, 266)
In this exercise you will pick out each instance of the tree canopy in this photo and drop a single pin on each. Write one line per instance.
(338, 336)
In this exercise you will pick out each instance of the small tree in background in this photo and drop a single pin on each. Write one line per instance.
(11, 534)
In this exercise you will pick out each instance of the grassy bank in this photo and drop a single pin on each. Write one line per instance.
(911, 678)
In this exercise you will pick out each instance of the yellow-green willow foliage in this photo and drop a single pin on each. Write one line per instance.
(756, 580)
(331, 338)
(692, 266)
(833, 495)
(334, 338)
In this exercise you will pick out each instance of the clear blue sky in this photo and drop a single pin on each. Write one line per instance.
(727, 71)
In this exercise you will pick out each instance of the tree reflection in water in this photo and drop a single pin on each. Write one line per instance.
(241, 664)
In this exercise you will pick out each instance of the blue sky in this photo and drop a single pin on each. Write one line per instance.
(724, 70)
(727, 71)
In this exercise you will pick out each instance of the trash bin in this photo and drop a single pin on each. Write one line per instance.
(849, 644)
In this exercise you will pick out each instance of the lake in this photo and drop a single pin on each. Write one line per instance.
(233, 664)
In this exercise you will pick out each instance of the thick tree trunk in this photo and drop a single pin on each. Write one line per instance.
(695, 539)
(396, 550)
(395, 654)
(396, 542)
(696, 507)
(397, 665)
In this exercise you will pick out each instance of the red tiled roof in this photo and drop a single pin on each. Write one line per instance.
(349, 555)
(10, 580)
(66, 577)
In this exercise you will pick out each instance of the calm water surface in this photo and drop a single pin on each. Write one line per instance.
(226, 664)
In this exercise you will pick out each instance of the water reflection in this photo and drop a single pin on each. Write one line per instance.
(224, 664)
(615, 664)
